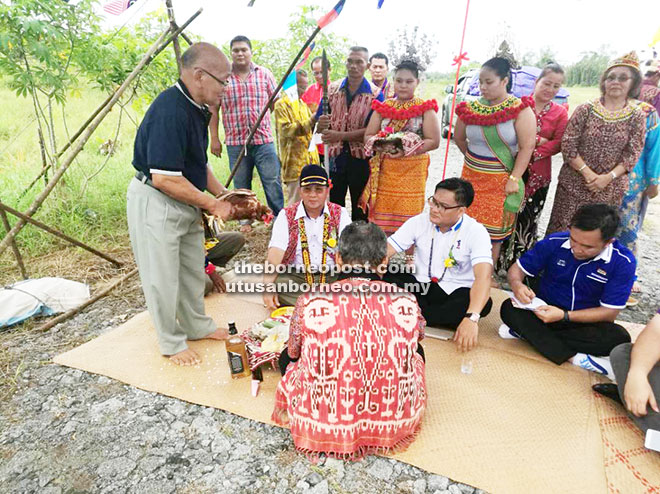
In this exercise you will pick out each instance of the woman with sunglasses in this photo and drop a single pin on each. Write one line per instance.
(601, 145)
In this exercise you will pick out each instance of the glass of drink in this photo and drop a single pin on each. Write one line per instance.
(466, 364)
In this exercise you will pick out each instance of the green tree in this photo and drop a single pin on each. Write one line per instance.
(277, 54)
(39, 45)
(588, 70)
(539, 59)
(109, 59)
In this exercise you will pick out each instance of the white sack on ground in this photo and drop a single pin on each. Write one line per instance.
(42, 296)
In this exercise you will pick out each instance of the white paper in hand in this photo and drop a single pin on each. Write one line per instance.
(533, 305)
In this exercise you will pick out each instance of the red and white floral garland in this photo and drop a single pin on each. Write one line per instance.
(476, 113)
(396, 110)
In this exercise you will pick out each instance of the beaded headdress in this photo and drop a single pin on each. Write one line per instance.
(628, 60)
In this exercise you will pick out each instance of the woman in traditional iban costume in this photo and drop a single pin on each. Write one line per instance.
(399, 136)
(497, 136)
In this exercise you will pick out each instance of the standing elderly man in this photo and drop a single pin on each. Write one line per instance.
(293, 121)
(165, 200)
(314, 92)
(250, 87)
(343, 130)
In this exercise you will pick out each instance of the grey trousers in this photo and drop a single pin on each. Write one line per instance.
(167, 239)
(620, 360)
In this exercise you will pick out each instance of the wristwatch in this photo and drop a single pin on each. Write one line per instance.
(473, 316)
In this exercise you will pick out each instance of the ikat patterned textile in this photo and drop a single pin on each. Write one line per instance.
(358, 386)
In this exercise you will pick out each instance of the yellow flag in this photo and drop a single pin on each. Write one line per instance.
(656, 38)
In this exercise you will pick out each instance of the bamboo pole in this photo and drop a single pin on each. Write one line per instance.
(153, 51)
(14, 247)
(76, 310)
(175, 41)
(184, 35)
(58, 234)
(267, 106)
(91, 118)
(84, 126)
(176, 33)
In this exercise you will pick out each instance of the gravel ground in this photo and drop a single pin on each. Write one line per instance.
(67, 431)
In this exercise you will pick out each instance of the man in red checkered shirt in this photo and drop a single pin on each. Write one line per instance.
(250, 87)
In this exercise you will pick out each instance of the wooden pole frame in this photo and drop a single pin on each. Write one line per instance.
(160, 44)
(175, 41)
(58, 234)
(14, 247)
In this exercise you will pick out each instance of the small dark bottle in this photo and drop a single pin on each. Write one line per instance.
(236, 354)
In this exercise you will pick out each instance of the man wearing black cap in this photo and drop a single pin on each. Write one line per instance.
(304, 238)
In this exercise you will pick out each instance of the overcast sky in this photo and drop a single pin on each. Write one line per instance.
(568, 27)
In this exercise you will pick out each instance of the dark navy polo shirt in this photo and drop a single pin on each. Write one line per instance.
(572, 284)
(173, 137)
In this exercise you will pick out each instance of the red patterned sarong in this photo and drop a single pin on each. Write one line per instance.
(358, 387)
(488, 176)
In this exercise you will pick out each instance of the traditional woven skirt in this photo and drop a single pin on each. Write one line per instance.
(488, 177)
(395, 191)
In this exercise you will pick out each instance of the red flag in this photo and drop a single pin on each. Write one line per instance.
(305, 55)
(116, 7)
(332, 15)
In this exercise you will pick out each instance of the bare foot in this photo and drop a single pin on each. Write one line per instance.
(247, 228)
(186, 357)
(218, 334)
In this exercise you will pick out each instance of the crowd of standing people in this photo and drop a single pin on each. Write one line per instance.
(355, 363)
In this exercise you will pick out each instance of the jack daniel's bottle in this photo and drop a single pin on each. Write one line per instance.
(236, 354)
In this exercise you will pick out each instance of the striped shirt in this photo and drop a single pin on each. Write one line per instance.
(242, 103)
(349, 112)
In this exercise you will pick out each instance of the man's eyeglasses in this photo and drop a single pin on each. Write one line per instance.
(224, 83)
(620, 78)
(442, 207)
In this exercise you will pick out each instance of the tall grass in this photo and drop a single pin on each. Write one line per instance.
(92, 209)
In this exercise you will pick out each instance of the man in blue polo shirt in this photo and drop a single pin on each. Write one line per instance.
(165, 200)
(585, 277)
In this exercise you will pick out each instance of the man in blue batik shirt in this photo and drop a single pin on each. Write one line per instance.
(584, 279)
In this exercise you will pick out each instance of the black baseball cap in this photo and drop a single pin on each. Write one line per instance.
(313, 175)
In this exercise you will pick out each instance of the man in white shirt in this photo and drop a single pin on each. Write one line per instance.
(304, 239)
(453, 262)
